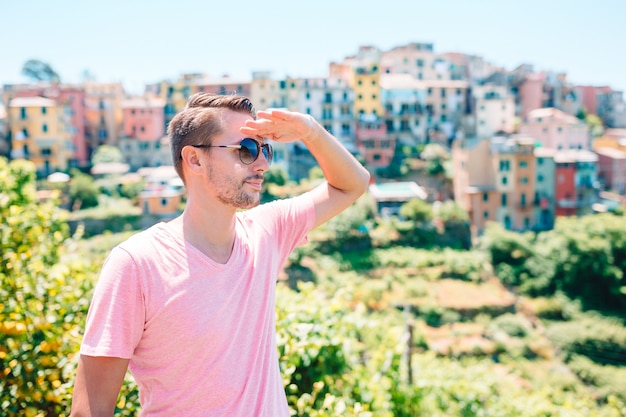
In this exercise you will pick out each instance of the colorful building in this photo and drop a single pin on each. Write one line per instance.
(612, 170)
(555, 129)
(39, 132)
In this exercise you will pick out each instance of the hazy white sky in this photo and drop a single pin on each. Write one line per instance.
(138, 42)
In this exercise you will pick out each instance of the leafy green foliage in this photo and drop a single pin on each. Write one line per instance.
(417, 210)
(38, 70)
(343, 342)
(83, 191)
(42, 303)
(583, 257)
(107, 154)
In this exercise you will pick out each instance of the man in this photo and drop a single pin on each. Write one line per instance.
(188, 305)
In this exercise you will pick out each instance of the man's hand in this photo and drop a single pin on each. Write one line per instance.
(282, 126)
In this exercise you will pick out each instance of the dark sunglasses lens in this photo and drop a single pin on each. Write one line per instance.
(268, 152)
(249, 151)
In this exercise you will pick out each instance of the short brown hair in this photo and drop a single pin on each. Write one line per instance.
(201, 120)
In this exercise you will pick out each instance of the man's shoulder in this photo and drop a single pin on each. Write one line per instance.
(144, 239)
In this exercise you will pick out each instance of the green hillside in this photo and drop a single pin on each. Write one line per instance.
(375, 317)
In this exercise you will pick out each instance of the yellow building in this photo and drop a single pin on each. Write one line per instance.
(39, 131)
(612, 138)
(366, 86)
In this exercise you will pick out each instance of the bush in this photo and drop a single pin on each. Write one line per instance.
(42, 300)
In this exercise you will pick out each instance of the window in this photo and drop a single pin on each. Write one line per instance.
(505, 180)
(360, 82)
(308, 96)
(486, 214)
(373, 82)
(443, 93)
(430, 91)
(420, 63)
(46, 152)
(524, 180)
(523, 164)
(503, 200)
(522, 200)
(164, 202)
(485, 197)
(43, 110)
(539, 178)
(44, 128)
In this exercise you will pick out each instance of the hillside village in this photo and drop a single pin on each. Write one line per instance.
(524, 146)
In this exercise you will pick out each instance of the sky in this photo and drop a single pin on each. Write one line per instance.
(138, 42)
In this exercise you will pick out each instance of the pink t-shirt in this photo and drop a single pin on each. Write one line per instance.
(200, 335)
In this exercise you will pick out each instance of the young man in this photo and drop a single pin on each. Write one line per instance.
(188, 305)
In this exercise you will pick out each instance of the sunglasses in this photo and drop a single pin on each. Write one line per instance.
(249, 150)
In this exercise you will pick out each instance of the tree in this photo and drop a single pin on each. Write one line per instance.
(83, 191)
(417, 210)
(38, 70)
(107, 154)
(596, 126)
(42, 301)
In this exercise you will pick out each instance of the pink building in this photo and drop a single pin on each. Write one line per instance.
(589, 95)
(373, 142)
(144, 119)
(531, 95)
(612, 169)
(555, 129)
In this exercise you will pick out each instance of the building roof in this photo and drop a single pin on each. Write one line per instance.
(143, 103)
(397, 191)
(575, 155)
(400, 82)
(104, 168)
(541, 152)
(615, 133)
(611, 153)
(552, 113)
(32, 102)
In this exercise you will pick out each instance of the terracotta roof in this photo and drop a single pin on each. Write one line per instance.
(611, 153)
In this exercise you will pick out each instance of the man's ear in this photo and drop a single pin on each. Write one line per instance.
(192, 159)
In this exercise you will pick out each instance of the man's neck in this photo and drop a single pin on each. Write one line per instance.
(209, 229)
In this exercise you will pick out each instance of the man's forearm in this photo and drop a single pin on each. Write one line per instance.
(340, 168)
